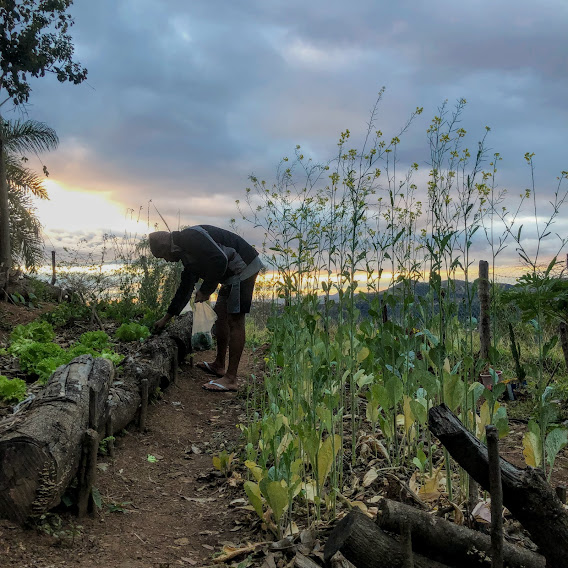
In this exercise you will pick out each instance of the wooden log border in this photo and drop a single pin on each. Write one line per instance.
(42, 445)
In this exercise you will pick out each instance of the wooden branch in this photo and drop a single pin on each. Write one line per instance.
(525, 491)
(445, 541)
(365, 545)
(496, 497)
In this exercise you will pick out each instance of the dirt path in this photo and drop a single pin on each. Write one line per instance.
(174, 511)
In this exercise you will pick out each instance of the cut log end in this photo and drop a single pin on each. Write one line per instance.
(23, 457)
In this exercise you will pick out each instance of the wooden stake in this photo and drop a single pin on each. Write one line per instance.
(109, 434)
(143, 405)
(88, 472)
(93, 418)
(406, 534)
(496, 492)
(53, 278)
(561, 492)
(484, 318)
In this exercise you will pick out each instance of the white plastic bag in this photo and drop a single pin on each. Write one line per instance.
(203, 319)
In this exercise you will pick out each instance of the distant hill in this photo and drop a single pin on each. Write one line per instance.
(457, 294)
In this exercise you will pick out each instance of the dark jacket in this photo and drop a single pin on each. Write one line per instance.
(202, 259)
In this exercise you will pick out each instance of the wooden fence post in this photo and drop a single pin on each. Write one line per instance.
(496, 491)
(53, 268)
(143, 405)
(484, 317)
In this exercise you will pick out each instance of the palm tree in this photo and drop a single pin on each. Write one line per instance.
(19, 138)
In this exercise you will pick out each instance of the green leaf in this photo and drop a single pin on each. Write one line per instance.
(454, 389)
(12, 390)
(326, 456)
(419, 408)
(151, 458)
(555, 441)
(254, 495)
(477, 390)
(255, 469)
(394, 390)
(363, 354)
(276, 494)
(501, 422)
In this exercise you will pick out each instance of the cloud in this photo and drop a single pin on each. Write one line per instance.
(185, 99)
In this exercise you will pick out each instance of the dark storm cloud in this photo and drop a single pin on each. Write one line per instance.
(185, 99)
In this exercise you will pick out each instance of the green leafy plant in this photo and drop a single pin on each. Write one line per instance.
(103, 444)
(34, 331)
(12, 390)
(118, 507)
(38, 355)
(223, 462)
(65, 313)
(132, 332)
(97, 340)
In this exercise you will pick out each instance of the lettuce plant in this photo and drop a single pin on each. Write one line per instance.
(12, 390)
(132, 332)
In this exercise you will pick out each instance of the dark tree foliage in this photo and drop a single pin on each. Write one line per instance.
(34, 40)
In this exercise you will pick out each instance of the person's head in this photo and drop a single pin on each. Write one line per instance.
(161, 245)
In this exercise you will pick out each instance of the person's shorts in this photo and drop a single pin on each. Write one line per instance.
(245, 296)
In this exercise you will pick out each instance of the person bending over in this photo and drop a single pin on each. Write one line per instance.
(218, 257)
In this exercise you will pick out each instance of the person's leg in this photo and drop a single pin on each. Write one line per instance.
(234, 328)
(221, 334)
(228, 382)
(236, 346)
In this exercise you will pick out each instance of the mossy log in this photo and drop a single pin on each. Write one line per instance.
(531, 500)
(40, 446)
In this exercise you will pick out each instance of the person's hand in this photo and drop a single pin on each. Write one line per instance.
(200, 296)
(161, 323)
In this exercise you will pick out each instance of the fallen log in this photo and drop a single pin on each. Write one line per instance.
(180, 331)
(41, 445)
(447, 542)
(40, 449)
(365, 545)
(526, 493)
(156, 362)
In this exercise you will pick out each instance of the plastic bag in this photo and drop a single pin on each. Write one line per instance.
(203, 319)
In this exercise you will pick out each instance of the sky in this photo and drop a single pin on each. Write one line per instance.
(184, 100)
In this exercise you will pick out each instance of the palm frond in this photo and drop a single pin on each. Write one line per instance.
(28, 136)
(24, 179)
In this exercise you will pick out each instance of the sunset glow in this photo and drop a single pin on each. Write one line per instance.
(75, 211)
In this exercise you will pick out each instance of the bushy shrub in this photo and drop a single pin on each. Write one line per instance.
(67, 313)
